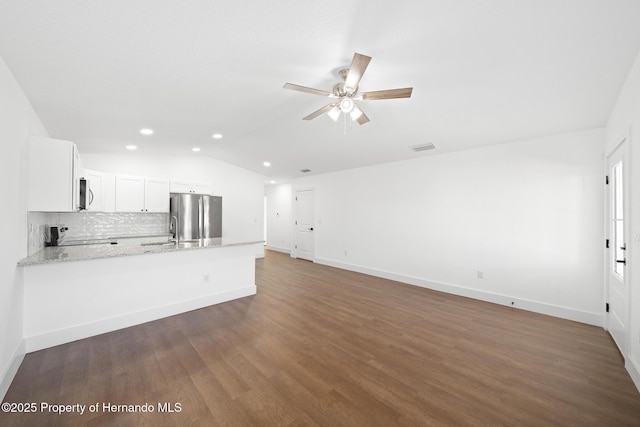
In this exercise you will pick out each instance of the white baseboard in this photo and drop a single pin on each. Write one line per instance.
(9, 372)
(50, 339)
(633, 367)
(260, 250)
(279, 249)
(589, 318)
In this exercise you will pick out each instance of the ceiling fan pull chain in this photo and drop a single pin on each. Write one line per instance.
(344, 123)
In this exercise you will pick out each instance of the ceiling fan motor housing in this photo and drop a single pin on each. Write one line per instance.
(340, 90)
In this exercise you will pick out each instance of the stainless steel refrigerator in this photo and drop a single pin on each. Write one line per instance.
(195, 216)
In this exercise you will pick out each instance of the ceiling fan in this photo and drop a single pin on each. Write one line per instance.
(347, 91)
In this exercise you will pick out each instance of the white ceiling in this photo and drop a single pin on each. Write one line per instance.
(483, 72)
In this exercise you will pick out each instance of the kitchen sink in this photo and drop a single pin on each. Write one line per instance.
(158, 244)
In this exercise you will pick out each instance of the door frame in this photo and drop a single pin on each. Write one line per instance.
(294, 250)
(608, 253)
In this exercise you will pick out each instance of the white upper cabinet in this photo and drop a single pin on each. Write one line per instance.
(156, 195)
(202, 188)
(53, 173)
(190, 187)
(140, 194)
(129, 193)
(109, 192)
(180, 187)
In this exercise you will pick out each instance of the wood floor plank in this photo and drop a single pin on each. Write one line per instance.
(319, 346)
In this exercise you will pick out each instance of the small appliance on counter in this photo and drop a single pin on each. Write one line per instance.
(55, 235)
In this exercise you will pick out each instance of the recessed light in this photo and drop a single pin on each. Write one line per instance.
(272, 182)
(131, 147)
(266, 164)
(196, 149)
(217, 136)
(146, 131)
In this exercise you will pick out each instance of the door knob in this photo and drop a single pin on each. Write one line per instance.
(310, 228)
(622, 261)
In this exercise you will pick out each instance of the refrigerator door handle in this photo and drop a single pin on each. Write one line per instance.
(200, 218)
(173, 226)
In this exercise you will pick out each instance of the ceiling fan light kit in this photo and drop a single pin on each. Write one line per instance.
(346, 92)
(346, 105)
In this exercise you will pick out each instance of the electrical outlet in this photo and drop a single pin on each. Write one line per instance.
(345, 252)
(205, 278)
(480, 274)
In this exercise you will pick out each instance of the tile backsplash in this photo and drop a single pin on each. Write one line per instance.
(94, 225)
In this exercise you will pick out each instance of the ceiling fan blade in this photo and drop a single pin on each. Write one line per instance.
(307, 90)
(358, 115)
(388, 94)
(356, 70)
(320, 111)
(363, 119)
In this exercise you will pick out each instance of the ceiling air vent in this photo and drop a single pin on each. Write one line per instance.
(422, 147)
(305, 170)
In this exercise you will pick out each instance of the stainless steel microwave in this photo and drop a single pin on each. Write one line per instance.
(85, 194)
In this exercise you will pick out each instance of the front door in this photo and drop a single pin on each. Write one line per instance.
(304, 225)
(617, 259)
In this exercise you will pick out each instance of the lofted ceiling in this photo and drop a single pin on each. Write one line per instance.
(483, 72)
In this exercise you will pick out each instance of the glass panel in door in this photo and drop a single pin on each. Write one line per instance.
(618, 221)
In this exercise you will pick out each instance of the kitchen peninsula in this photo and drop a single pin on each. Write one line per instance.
(74, 292)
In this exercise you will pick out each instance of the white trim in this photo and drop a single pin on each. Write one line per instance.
(624, 137)
(279, 249)
(260, 251)
(596, 319)
(633, 367)
(9, 372)
(63, 336)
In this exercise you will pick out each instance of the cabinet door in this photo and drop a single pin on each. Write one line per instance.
(156, 195)
(201, 188)
(129, 193)
(180, 187)
(75, 178)
(96, 190)
(50, 175)
(108, 192)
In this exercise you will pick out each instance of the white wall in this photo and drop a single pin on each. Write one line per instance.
(529, 214)
(17, 122)
(242, 190)
(279, 221)
(67, 301)
(625, 119)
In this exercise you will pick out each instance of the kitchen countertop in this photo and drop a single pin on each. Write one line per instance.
(88, 252)
(112, 239)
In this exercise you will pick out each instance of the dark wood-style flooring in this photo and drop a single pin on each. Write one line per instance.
(319, 346)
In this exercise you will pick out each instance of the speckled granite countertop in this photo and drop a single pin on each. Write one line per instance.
(109, 239)
(86, 252)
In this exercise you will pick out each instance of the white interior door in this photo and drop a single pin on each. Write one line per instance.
(617, 259)
(304, 225)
